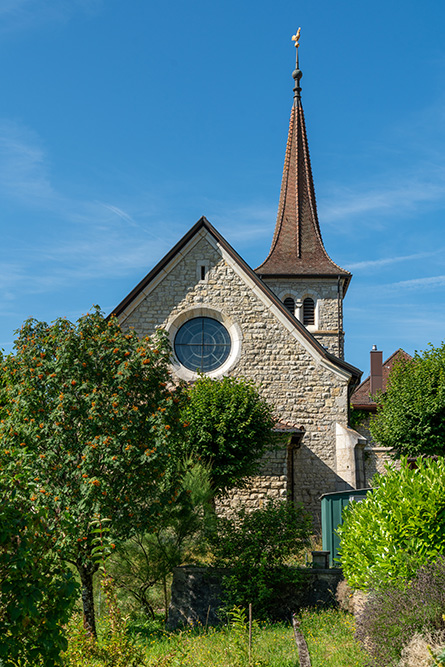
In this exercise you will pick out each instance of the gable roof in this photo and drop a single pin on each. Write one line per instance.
(361, 398)
(297, 246)
(203, 224)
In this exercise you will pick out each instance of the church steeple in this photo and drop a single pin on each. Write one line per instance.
(297, 247)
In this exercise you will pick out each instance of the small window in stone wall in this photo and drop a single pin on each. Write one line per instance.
(289, 303)
(308, 311)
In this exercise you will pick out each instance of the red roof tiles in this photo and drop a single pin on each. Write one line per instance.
(361, 398)
(297, 246)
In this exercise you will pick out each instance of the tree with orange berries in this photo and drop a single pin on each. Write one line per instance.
(88, 408)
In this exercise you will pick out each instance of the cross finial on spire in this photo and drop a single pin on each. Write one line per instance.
(297, 73)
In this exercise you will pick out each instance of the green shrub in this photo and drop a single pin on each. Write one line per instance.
(397, 528)
(229, 425)
(114, 647)
(36, 593)
(144, 563)
(256, 546)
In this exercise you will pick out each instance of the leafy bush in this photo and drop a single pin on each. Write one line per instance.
(229, 426)
(256, 547)
(395, 612)
(36, 594)
(398, 527)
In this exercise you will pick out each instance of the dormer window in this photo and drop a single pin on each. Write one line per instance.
(289, 303)
(308, 311)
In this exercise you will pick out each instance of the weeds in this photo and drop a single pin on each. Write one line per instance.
(394, 614)
(329, 634)
(330, 638)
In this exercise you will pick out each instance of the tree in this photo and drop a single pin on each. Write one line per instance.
(397, 528)
(36, 594)
(229, 425)
(411, 414)
(147, 559)
(89, 413)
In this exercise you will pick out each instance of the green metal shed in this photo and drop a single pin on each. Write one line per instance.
(332, 506)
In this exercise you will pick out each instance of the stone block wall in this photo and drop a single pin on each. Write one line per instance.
(272, 483)
(375, 457)
(197, 594)
(328, 329)
(289, 374)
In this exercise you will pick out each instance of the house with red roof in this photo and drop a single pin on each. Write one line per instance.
(364, 406)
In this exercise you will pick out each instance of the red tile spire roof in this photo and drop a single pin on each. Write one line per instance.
(297, 246)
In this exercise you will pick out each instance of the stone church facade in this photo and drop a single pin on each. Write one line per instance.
(280, 325)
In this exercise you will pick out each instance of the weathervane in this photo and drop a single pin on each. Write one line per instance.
(296, 39)
(297, 73)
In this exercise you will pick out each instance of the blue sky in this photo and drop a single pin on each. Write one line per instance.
(121, 123)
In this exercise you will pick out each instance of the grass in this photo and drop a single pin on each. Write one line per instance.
(272, 646)
(329, 634)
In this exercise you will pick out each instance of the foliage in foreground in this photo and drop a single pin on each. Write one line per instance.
(147, 559)
(411, 414)
(397, 528)
(87, 410)
(395, 613)
(330, 637)
(256, 547)
(36, 593)
(229, 425)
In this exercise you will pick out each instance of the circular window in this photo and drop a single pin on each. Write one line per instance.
(202, 344)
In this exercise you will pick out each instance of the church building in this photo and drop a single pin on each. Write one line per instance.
(280, 325)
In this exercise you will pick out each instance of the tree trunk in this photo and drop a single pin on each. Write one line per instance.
(164, 585)
(303, 652)
(89, 617)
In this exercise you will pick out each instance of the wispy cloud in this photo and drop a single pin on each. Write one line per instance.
(409, 173)
(389, 261)
(400, 196)
(88, 239)
(23, 170)
(430, 282)
(243, 223)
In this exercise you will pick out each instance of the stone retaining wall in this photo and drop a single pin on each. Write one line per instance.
(197, 594)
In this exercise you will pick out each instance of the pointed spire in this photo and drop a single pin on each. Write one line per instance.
(297, 246)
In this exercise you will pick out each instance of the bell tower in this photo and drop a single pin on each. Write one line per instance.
(298, 269)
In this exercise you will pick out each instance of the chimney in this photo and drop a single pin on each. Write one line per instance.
(376, 371)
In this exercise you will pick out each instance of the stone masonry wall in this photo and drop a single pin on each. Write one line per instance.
(303, 391)
(271, 483)
(376, 457)
(197, 595)
(324, 293)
